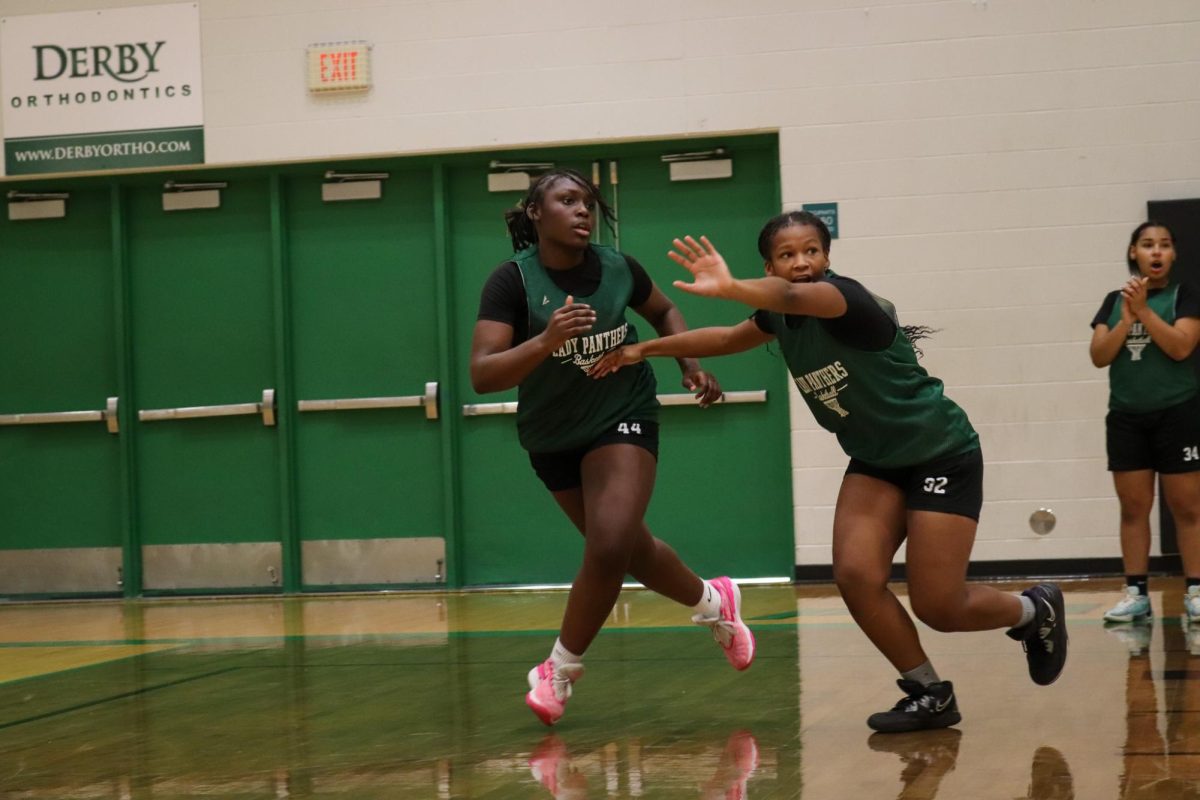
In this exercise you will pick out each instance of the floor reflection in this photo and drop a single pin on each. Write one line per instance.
(1162, 698)
(583, 775)
(422, 697)
(927, 756)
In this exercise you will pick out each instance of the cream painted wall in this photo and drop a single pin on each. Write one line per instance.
(990, 158)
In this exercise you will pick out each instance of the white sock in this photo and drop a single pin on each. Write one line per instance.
(561, 656)
(1027, 611)
(924, 674)
(709, 606)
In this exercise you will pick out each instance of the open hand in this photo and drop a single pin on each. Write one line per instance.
(710, 273)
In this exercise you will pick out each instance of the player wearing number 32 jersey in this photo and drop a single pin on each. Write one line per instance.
(915, 474)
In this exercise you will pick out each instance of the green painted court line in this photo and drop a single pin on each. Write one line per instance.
(103, 700)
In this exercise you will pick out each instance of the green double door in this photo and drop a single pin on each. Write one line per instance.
(723, 492)
(286, 378)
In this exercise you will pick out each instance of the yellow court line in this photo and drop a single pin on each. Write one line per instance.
(29, 662)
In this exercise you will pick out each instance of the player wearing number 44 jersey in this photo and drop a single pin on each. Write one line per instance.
(915, 470)
(1145, 333)
(546, 317)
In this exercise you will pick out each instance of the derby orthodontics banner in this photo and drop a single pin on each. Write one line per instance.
(91, 90)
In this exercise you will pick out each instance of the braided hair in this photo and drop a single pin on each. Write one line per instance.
(766, 237)
(520, 225)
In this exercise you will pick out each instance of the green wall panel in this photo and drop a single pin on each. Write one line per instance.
(59, 484)
(364, 321)
(202, 324)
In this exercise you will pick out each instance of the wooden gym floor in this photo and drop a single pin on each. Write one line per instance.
(420, 696)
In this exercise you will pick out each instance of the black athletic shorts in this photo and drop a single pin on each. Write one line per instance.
(1164, 441)
(560, 470)
(951, 485)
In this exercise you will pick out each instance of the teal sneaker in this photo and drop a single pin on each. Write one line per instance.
(1131, 608)
(1191, 605)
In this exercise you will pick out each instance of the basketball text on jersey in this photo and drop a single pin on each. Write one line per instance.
(824, 384)
(584, 351)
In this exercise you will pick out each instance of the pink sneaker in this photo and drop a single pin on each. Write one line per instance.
(730, 632)
(549, 689)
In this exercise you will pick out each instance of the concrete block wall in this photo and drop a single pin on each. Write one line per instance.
(989, 158)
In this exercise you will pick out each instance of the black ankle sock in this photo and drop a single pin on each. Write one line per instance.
(1142, 583)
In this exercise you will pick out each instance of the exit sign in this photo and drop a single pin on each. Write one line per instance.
(339, 67)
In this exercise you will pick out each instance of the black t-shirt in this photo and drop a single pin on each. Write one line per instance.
(503, 295)
(1187, 304)
(864, 326)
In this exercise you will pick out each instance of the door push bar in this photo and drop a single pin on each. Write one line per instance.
(755, 396)
(108, 416)
(266, 408)
(428, 401)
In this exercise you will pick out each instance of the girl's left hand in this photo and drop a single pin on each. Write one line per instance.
(710, 273)
(704, 384)
(1134, 292)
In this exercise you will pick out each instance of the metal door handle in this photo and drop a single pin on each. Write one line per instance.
(484, 409)
(107, 416)
(266, 409)
(755, 396)
(428, 401)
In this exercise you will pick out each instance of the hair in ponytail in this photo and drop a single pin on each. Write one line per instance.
(521, 229)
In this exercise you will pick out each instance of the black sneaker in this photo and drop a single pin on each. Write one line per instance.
(1045, 638)
(922, 708)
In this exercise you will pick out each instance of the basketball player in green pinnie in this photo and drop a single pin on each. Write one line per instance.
(546, 316)
(915, 472)
(1145, 333)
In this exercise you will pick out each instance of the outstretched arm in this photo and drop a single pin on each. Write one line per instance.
(711, 278)
(667, 320)
(698, 343)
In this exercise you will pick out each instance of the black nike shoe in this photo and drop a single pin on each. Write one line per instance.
(1045, 637)
(922, 708)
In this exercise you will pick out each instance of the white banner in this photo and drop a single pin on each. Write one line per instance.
(80, 80)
